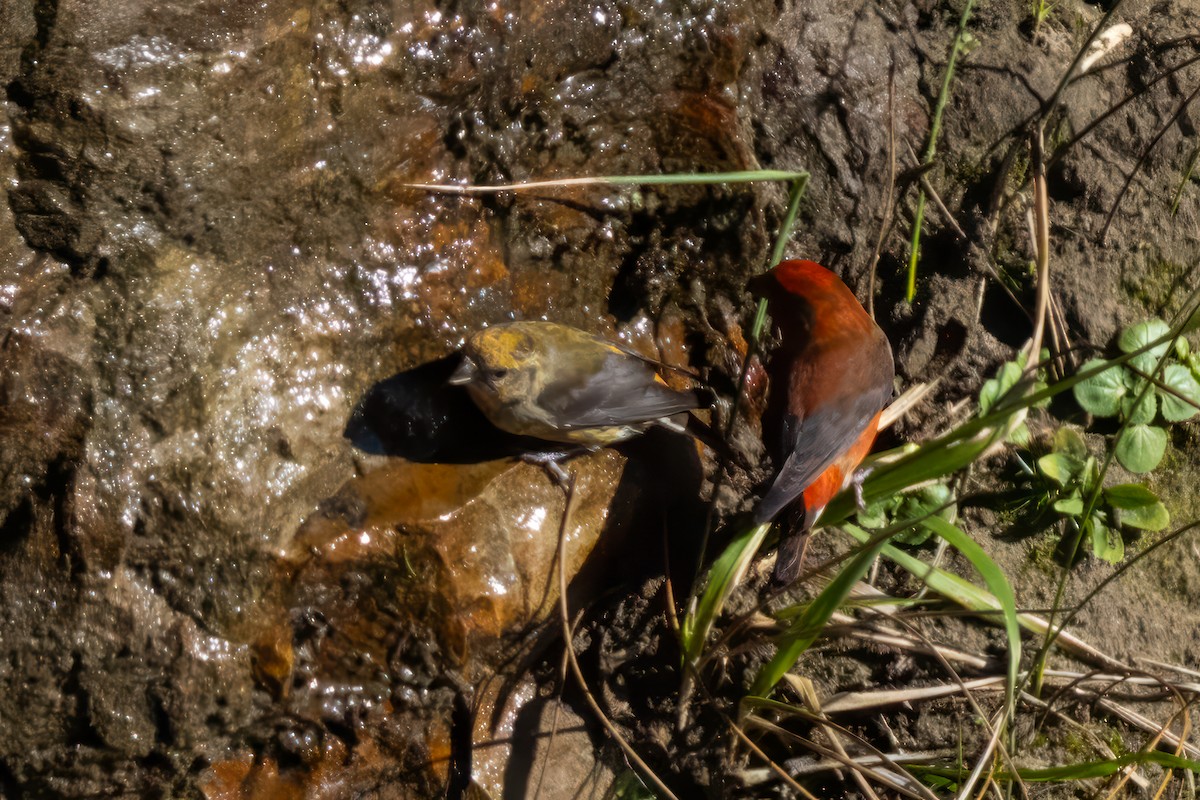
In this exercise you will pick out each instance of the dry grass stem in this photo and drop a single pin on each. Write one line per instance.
(568, 643)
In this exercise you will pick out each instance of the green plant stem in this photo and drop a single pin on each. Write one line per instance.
(726, 573)
(1181, 325)
(935, 128)
(798, 186)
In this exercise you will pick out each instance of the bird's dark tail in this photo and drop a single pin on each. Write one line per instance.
(789, 558)
(793, 542)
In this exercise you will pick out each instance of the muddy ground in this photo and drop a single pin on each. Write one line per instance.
(237, 561)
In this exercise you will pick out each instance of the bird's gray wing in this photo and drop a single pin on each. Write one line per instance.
(815, 442)
(623, 391)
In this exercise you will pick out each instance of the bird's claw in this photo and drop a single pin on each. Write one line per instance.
(856, 483)
(550, 461)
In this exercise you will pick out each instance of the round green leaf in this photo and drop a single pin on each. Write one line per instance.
(1106, 542)
(875, 515)
(1060, 467)
(1135, 337)
(1129, 496)
(1151, 518)
(1142, 412)
(1182, 348)
(1137, 507)
(1101, 394)
(1006, 378)
(1070, 441)
(1182, 396)
(1069, 506)
(1141, 448)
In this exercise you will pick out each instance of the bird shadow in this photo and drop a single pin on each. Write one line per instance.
(418, 415)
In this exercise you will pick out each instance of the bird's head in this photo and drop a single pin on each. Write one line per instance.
(499, 365)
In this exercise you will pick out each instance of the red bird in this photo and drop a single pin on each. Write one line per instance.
(831, 375)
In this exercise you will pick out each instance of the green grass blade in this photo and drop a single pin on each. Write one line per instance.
(730, 567)
(808, 625)
(1088, 770)
(726, 573)
(996, 581)
(947, 584)
(935, 129)
(934, 459)
(799, 184)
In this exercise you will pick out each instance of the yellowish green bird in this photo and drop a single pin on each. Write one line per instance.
(561, 384)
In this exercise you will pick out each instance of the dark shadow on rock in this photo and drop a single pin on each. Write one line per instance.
(655, 523)
(418, 415)
(657, 504)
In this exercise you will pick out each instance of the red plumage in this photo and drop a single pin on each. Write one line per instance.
(831, 375)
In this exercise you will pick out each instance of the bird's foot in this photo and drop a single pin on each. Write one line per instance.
(552, 463)
(856, 483)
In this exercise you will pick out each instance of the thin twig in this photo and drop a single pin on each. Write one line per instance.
(1187, 175)
(937, 201)
(899, 781)
(689, 179)
(1142, 160)
(568, 643)
(808, 694)
(1041, 205)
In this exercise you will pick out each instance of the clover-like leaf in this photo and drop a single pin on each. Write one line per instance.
(1139, 406)
(1106, 542)
(1141, 448)
(1101, 394)
(1070, 506)
(1060, 468)
(1137, 507)
(1069, 441)
(935, 499)
(1006, 378)
(1181, 396)
(876, 515)
(930, 498)
(1135, 337)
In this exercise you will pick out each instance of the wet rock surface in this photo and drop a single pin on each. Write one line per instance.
(211, 258)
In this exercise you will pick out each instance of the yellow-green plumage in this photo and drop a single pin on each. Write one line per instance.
(562, 384)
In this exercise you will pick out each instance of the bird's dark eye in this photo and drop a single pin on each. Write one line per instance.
(497, 374)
